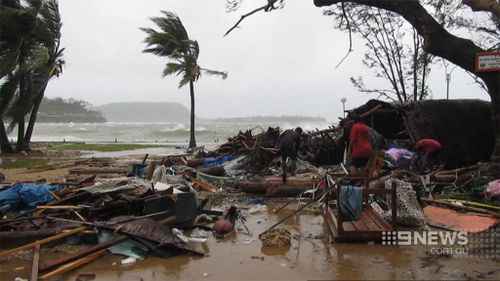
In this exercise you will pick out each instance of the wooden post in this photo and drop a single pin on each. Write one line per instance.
(34, 267)
(394, 206)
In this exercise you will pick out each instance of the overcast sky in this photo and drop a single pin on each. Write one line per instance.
(278, 63)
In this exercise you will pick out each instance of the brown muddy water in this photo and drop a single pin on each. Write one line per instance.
(240, 257)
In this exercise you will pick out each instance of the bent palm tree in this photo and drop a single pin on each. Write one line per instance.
(172, 41)
(30, 55)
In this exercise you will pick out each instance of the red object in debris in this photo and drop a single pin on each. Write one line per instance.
(450, 219)
(428, 145)
(226, 225)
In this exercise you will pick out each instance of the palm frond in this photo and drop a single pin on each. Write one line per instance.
(173, 68)
(222, 74)
(184, 81)
(8, 90)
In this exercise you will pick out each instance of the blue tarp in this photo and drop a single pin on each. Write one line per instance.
(351, 202)
(29, 195)
(210, 162)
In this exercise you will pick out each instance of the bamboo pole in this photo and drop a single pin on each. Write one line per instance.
(7, 253)
(465, 208)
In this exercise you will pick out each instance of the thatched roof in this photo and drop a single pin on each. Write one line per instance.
(463, 127)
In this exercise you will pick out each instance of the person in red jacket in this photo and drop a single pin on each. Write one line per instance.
(361, 147)
(429, 148)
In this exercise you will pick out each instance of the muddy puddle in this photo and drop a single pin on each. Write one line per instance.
(310, 257)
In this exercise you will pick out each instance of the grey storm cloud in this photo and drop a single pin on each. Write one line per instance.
(281, 62)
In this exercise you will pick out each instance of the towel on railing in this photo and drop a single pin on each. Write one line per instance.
(351, 202)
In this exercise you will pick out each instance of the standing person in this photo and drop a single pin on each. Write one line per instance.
(361, 147)
(429, 148)
(288, 144)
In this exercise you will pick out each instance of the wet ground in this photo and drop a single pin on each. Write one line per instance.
(312, 257)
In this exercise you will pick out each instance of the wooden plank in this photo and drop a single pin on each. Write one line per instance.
(204, 186)
(7, 253)
(369, 222)
(34, 267)
(92, 249)
(330, 220)
(84, 252)
(378, 220)
(73, 265)
(360, 225)
(348, 226)
(59, 207)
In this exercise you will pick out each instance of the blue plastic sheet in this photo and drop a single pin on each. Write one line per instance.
(210, 162)
(28, 195)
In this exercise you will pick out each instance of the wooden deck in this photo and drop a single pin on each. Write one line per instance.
(368, 228)
(370, 225)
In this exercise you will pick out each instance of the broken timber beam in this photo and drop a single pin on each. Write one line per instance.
(7, 253)
(92, 249)
(73, 265)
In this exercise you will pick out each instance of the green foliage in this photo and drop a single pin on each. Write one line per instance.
(68, 110)
(22, 163)
(30, 55)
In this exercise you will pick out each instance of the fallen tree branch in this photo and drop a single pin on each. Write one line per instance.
(268, 7)
(491, 6)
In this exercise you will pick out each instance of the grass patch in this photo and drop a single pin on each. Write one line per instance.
(22, 163)
(109, 147)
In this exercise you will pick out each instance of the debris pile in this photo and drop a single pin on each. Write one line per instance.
(164, 206)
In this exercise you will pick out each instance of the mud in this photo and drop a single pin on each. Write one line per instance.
(311, 256)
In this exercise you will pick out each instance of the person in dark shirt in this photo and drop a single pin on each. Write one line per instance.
(288, 144)
(361, 148)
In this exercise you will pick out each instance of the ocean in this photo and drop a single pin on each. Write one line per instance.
(207, 132)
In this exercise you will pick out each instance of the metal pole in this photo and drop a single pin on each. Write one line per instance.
(343, 100)
(448, 78)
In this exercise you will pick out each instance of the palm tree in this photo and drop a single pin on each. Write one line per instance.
(49, 31)
(173, 42)
(29, 55)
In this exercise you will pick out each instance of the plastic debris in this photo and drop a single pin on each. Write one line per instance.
(128, 261)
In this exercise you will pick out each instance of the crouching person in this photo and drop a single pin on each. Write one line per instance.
(288, 144)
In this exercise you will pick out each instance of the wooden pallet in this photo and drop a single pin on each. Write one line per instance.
(368, 228)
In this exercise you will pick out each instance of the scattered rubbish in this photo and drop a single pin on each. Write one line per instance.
(258, 258)
(248, 241)
(492, 190)
(129, 261)
(199, 233)
(257, 209)
(133, 205)
(277, 237)
(127, 248)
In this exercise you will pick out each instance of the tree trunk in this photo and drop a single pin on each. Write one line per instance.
(439, 42)
(4, 139)
(20, 135)
(192, 141)
(34, 112)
